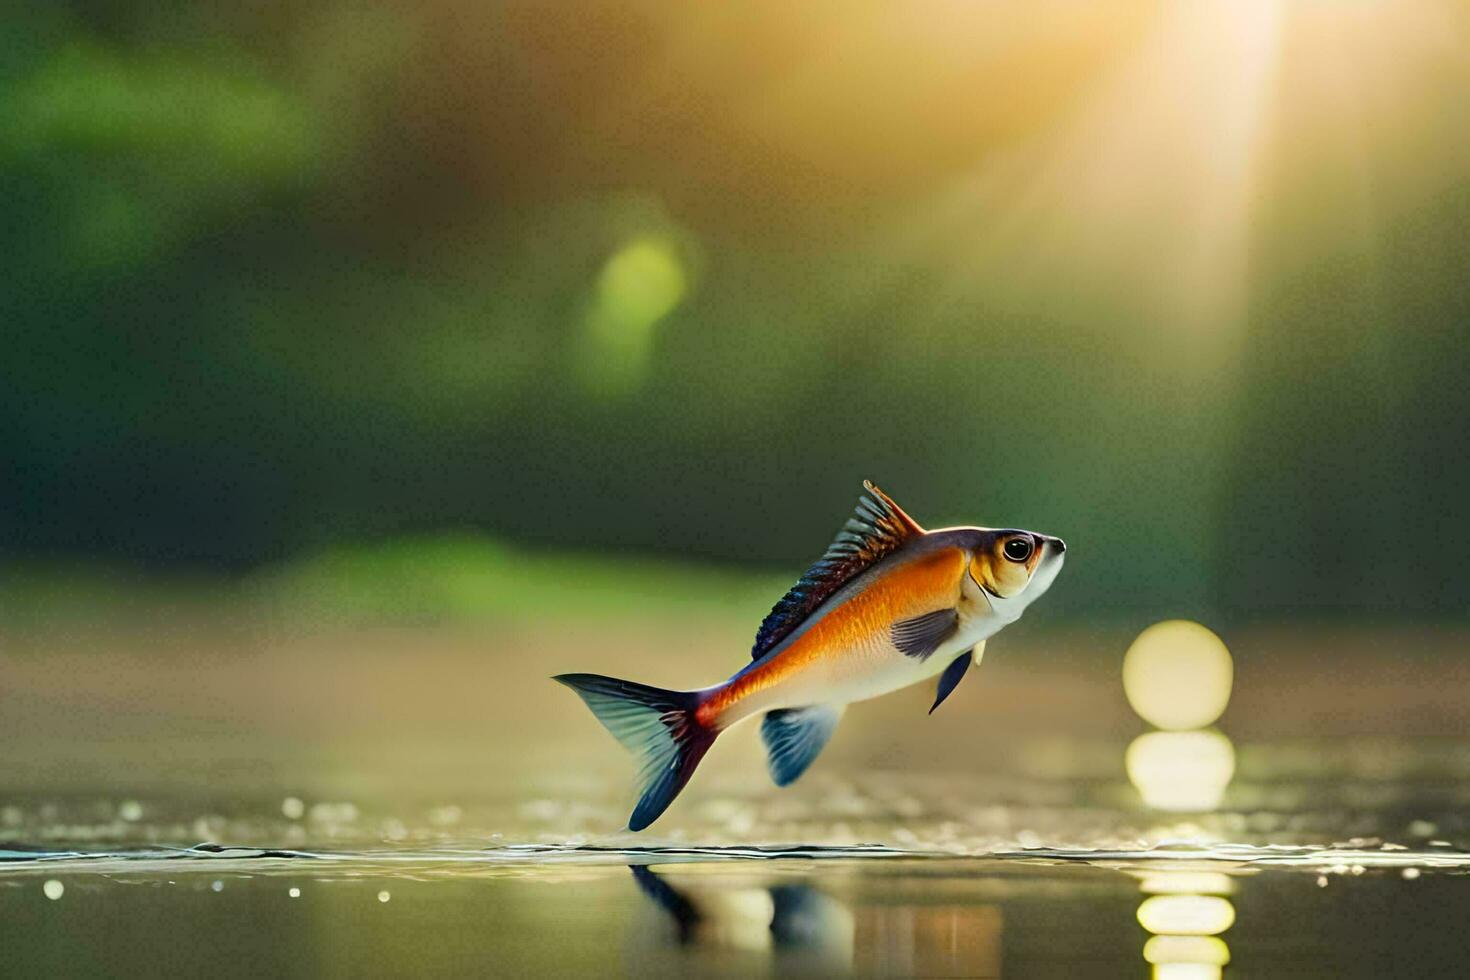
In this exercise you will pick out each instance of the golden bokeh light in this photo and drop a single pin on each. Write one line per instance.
(1177, 675)
(639, 285)
(1181, 771)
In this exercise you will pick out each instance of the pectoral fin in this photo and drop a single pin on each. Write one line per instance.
(795, 736)
(921, 636)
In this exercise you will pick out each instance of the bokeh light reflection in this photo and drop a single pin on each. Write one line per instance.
(1202, 951)
(1181, 771)
(1186, 915)
(1187, 883)
(1186, 971)
(1186, 911)
(1178, 675)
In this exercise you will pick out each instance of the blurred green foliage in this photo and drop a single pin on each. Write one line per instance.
(640, 278)
(444, 578)
(457, 577)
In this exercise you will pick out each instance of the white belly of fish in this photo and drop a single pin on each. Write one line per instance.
(882, 668)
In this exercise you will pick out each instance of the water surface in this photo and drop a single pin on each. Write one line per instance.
(187, 798)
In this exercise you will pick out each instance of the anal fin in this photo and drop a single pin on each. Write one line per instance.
(954, 673)
(950, 679)
(795, 736)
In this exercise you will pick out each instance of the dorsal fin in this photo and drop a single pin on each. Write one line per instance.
(877, 528)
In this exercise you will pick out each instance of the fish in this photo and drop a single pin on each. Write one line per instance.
(888, 605)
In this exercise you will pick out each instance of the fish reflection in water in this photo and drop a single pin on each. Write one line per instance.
(791, 917)
(805, 930)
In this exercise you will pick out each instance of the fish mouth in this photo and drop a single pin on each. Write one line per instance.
(1047, 571)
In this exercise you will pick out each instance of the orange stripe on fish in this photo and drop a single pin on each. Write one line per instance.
(919, 586)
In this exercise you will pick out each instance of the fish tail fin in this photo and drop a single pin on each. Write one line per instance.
(659, 727)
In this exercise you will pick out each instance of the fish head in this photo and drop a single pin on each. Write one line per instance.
(1015, 567)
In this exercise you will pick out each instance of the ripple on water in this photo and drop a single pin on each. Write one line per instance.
(1324, 861)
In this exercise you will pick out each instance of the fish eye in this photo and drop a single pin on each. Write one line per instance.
(1018, 549)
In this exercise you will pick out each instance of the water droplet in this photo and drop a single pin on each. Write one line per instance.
(1321, 881)
(332, 813)
(294, 892)
(445, 816)
(217, 886)
(540, 810)
(130, 810)
(384, 896)
(1411, 873)
(53, 889)
(292, 808)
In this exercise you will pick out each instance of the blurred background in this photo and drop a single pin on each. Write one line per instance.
(1184, 284)
(364, 364)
